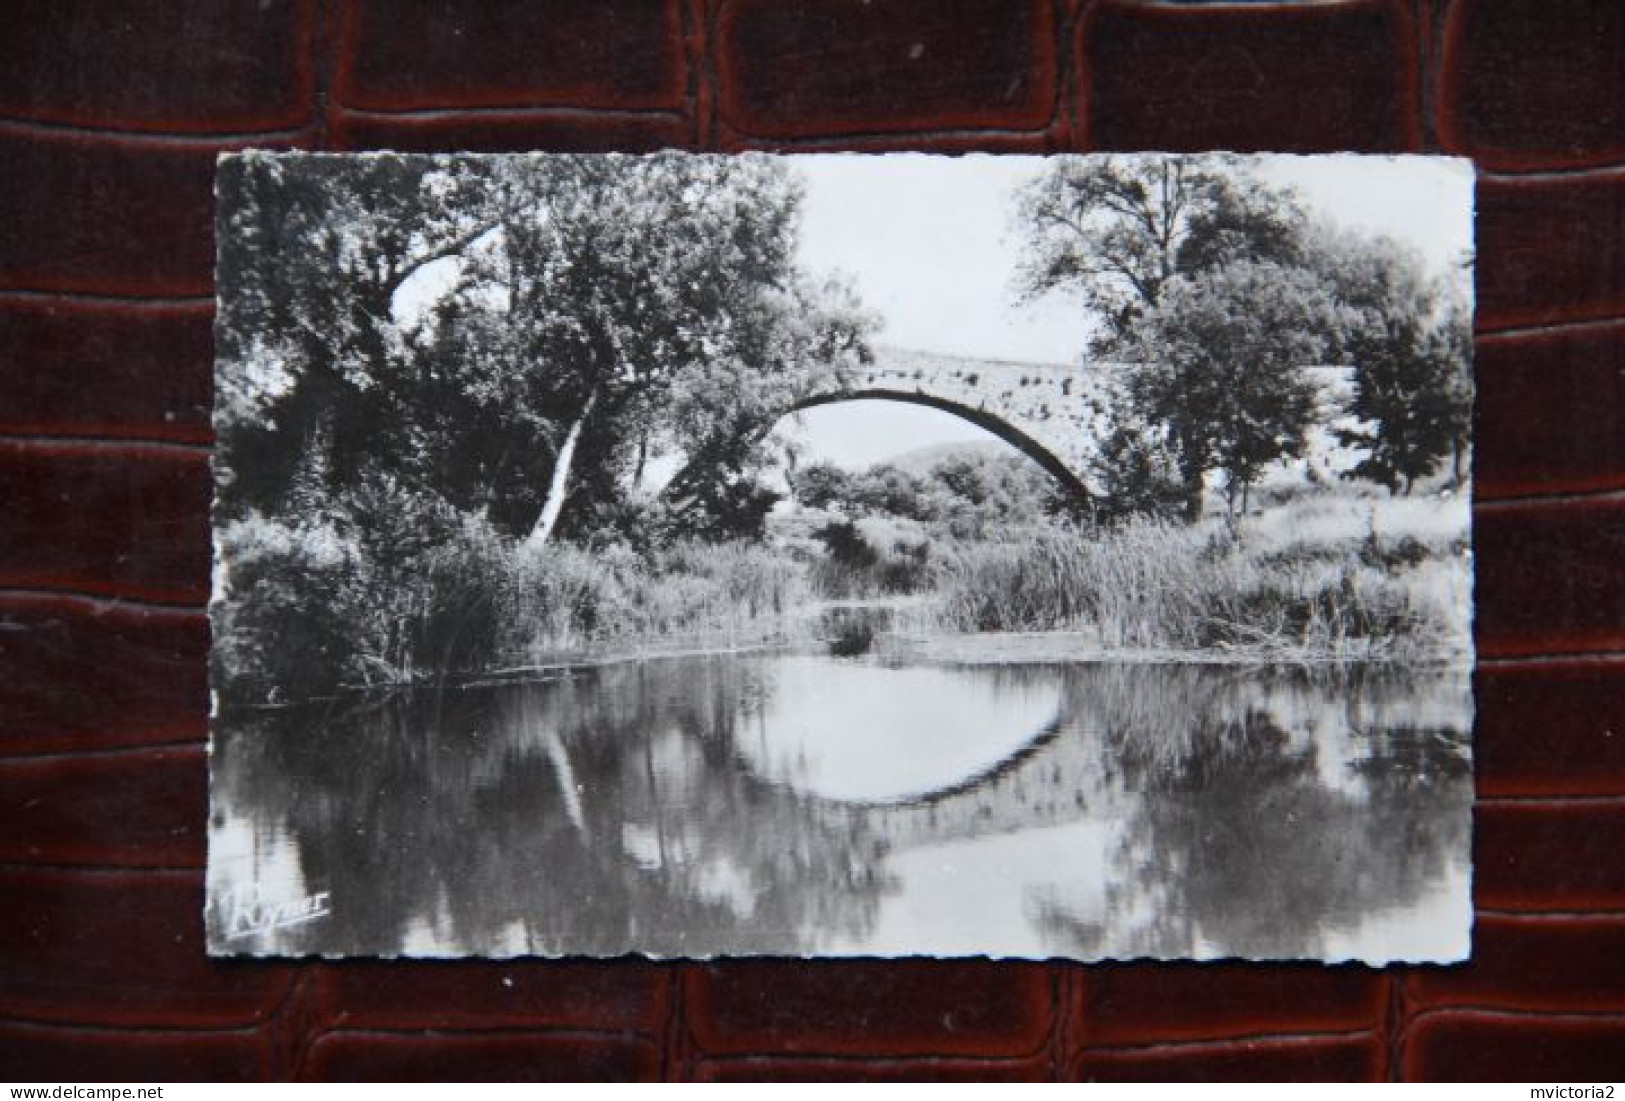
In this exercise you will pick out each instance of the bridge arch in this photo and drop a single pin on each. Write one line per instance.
(1038, 785)
(1052, 413)
(989, 422)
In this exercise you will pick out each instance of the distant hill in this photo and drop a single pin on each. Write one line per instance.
(920, 460)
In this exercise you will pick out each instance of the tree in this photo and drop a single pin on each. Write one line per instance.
(314, 252)
(971, 490)
(512, 335)
(1453, 343)
(885, 489)
(1135, 467)
(964, 476)
(1410, 352)
(1126, 234)
(1117, 231)
(662, 296)
(821, 485)
(1219, 364)
(722, 418)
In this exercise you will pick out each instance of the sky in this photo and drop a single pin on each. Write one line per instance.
(928, 243)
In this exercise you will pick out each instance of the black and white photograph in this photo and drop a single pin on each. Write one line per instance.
(842, 555)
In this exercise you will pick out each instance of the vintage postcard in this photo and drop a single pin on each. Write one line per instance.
(697, 555)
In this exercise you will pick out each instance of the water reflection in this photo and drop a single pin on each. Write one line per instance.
(795, 804)
(869, 733)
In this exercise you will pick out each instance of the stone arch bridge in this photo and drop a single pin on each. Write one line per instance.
(1056, 414)
(1053, 413)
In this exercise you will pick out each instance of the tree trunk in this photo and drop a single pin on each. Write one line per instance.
(1193, 488)
(558, 486)
(643, 459)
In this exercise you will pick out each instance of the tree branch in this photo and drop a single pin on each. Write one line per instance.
(451, 248)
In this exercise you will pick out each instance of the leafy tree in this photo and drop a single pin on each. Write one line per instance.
(846, 545)
(1410, 350)
(424, 361)
(1220, 366)
(888, 490)
(821, 485)
(660, 296)
(1453, 342)
(965, 477)
(965, 490)
(1139, 238)
(1117, 231)
(1135, 468)
(973, 490)
(722, 416)
(509, 334)
(731, 502)
(313, 253)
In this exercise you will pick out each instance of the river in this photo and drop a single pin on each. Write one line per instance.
(783, 804)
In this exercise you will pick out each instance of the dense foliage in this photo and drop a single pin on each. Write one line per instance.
(967, 491)
(1213, 289)
(1410, 340)
(515, 337)
(428, 363)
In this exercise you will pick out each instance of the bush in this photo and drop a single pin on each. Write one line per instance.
(846, 545)
(854, 567)
(312, 608)
(283, 623)
(1406, 552)
(305, 611)
(441, 611)
(1137, 476)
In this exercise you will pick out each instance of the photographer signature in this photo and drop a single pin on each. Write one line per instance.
(246, 912)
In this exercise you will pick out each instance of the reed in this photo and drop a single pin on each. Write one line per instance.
(1160, 585)
(565, 598)
(1309, 580)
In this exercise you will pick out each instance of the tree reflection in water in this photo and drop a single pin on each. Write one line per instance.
(1274, 812)
(1249, 812)
(596, 814)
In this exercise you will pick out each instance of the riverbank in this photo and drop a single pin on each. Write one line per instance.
(1320, 577)
(1035, 648)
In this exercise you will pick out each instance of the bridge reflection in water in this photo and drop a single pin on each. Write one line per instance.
(790, 804)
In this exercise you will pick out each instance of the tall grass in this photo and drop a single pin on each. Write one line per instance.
(1158, 585)
(564, 599)
(308, 611)
(869, 560)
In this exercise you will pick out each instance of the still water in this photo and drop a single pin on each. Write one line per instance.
(781, 804)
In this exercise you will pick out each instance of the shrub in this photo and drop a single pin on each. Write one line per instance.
(282, 618)
(853, 566)
(1393, 554)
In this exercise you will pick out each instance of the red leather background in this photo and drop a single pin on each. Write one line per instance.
(111, 113)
